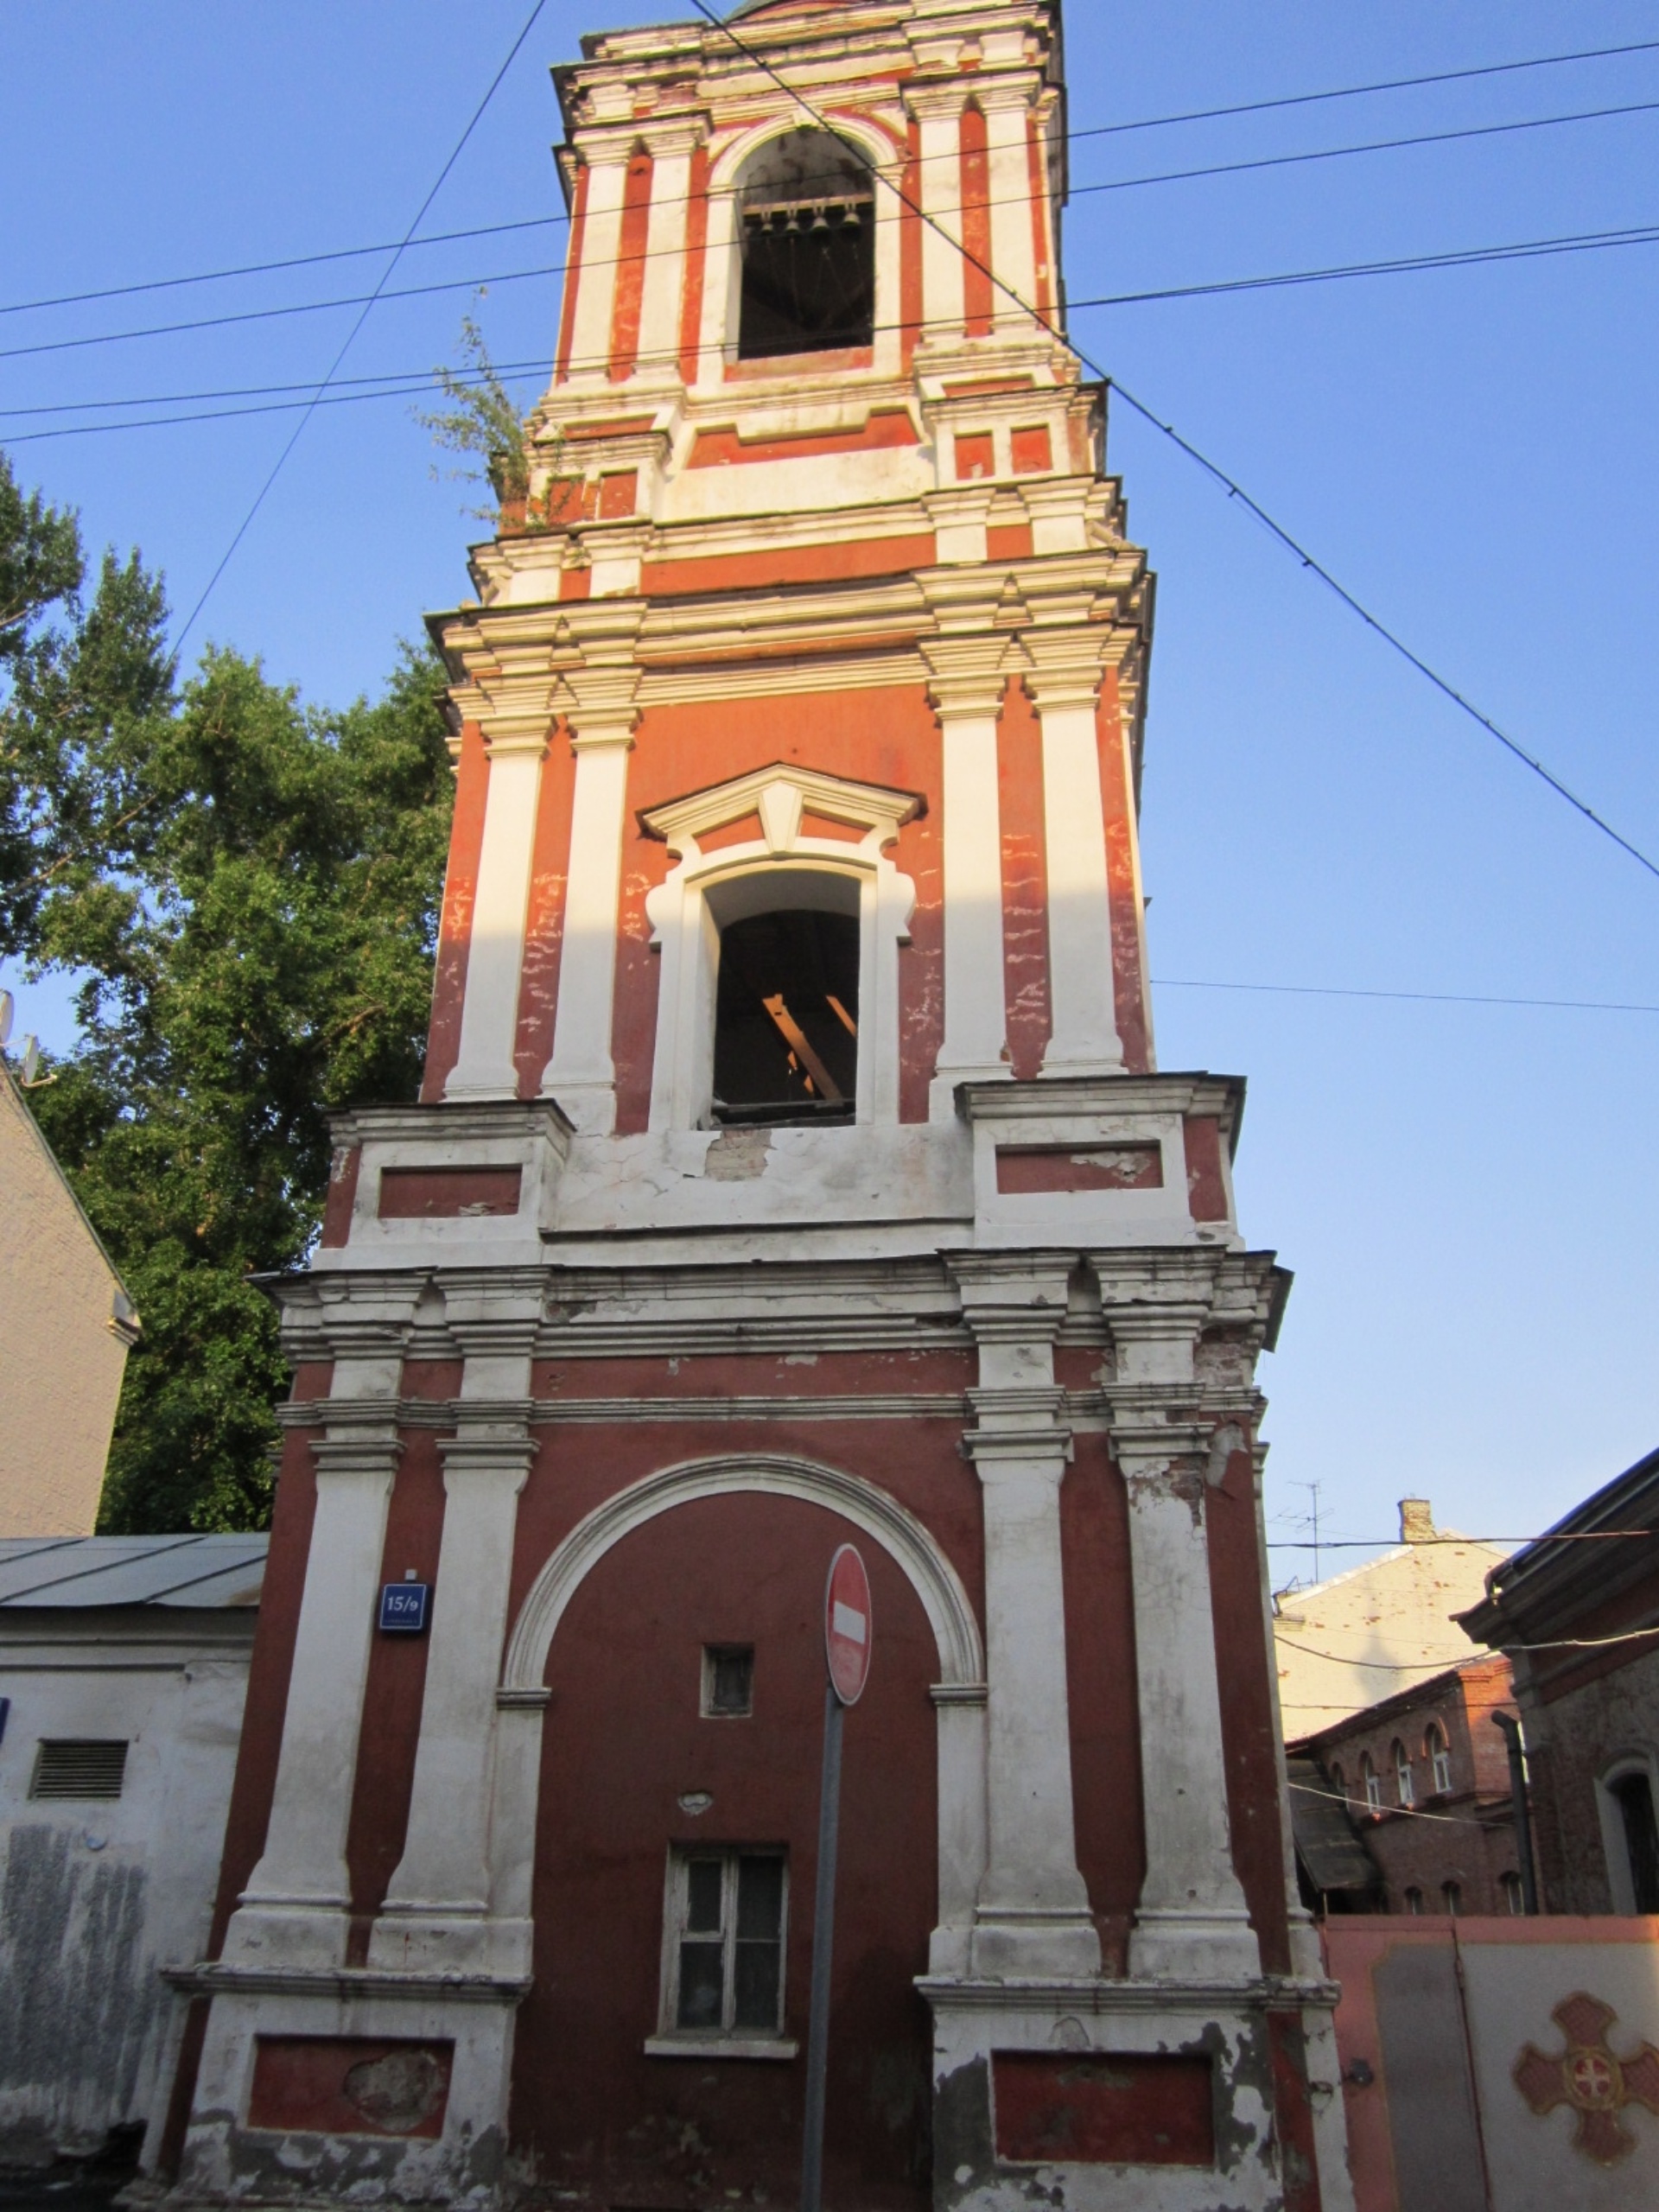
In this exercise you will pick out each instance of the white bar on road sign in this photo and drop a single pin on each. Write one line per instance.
(848, 1623)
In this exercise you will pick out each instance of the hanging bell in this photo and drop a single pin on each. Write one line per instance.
(850, 218)
(820, 220)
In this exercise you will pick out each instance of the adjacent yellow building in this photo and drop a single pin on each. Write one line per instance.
(66, 1326)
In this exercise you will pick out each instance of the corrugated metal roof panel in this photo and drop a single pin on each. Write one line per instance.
(1331, 1852)
(184, 1570)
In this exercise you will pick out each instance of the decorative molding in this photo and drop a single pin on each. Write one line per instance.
(346, 1985)
(907, 1541)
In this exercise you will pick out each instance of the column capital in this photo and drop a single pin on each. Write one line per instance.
(491, 1440)
(966, 676)
(1019, 1426)
(943, 102)
(673, 135)
(1012, 1297)
(1007, 88)
(360, 1437)
(525, 741)
(1065, 666)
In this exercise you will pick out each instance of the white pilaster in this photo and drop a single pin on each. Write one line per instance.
(1192, 1923)
(495, 952)
(602, 242)
(938, 109)
(1006, 104)
(1033, 1916)
(670, 149)
(581, 1075)
(293, 1911)
(967, 688)
(1065, 681)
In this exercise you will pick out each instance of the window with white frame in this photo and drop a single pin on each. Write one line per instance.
(1402, 1783)
(1514, 1896)
(1414, 1900)
(1440, 1760)
(723, 1968)
(1632, 1792)
(1452, 1897)
(1371, 1783)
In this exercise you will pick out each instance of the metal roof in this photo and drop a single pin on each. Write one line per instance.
(1335, 1858)
(185, 1570)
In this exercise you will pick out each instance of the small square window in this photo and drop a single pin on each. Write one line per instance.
(78, 1768)
(728, 1681)
(723, 1972)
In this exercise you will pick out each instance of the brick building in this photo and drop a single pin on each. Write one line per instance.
(793, 1167)
(1571, 1611)
(1425, 1777)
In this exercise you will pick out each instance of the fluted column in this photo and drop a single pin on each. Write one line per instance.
(581, 1074)
(1192, 1923)
(438, 1910)
(938, 109)
(966, 688)
(295, 1909)
(1032, 1914)
(485, 1066)
(1063, 679)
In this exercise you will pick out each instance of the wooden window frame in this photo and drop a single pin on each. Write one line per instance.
(727, 2040)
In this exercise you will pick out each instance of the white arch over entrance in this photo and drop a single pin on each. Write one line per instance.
(930, 1574)
(958, 1697)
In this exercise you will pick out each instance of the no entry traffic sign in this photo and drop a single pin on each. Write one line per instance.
(847, 1625)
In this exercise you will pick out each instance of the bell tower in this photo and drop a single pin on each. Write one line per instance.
(792, 1166)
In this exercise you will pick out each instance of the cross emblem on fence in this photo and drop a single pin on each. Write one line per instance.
(1588, 2077)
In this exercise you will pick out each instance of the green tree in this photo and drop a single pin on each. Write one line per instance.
(249, 890)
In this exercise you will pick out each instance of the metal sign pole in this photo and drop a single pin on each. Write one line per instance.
(823, 1936)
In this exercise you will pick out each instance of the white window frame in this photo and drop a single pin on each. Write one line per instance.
(1402, 1781)
(1371, 1783)
(782, 868)
(1439, 1759)
(672, 2041)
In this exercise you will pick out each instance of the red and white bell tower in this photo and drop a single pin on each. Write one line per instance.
(792, 1168)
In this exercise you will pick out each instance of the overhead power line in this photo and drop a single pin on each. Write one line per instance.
(1394, 265)
(544, 222)
(1220, 475)
(299, 427)
(1357, 92)
(1427, 998)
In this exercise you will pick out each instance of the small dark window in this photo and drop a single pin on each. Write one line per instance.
(1452, 1897)
(806, 212)
(1514, 1897)
(728, 1681)
(75, 1767)
(1414, 1900)
(786, 1018)
(1634, 1794)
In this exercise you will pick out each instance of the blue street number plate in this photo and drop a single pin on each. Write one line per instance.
(403, 1607)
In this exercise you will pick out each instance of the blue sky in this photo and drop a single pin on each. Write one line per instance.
(1467, 1194)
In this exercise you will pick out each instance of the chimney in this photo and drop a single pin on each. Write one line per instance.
(1416, 1521)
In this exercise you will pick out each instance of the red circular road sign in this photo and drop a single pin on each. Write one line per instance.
(847, 1625)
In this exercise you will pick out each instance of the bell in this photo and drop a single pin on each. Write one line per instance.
(820, 220)
(849, 219)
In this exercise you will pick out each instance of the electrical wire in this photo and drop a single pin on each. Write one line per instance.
(1427, 998)
(1420, 1543)
(299, 429)
(1233, 488)
(1097, 131)
(1530, 248)
(1411, 1812)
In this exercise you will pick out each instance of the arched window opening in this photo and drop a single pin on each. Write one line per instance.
(1339, 1780)
(1632, 1793)
(1403, 1776)
(1440, 1760)
(1414, 1900)
(787, 1017)
(1452, 1897)
(1514, 1897)
(806, 213)
(1371, 1783)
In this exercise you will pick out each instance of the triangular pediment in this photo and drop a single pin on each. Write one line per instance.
(780, 796)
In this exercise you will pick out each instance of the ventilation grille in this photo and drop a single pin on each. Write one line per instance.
(73, 1767)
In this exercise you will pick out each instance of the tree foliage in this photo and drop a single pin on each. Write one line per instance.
(248, 889)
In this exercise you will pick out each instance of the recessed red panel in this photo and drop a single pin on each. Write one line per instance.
(349, 2085)
(1023, 1169)
(1104, 2108)
(438, 1193)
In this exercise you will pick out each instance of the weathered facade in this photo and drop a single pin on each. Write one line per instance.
(1576, 1613)
(67, 1324)
(793, 1166)
(124, 1664)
